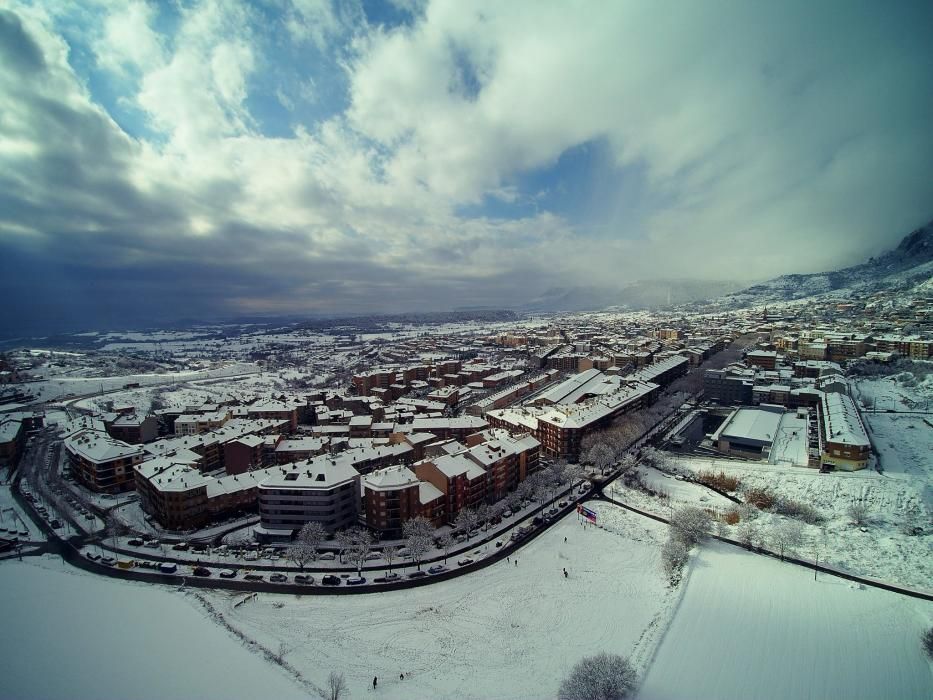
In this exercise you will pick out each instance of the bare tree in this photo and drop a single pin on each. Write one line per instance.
(419, 535)
(858, 511)
(445, 542)
(673, 558)
(600, 677)
(336, 688)
(312, 534)
(787, 536)
(690, 524)
(390, 554)
(344, 541)
(747, 532)
(466, 521)
(360, 543)
(300, 553)
(601, 456)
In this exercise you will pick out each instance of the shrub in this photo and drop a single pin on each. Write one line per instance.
(762, 499)
(673, 559)
(600, 677)
(797, 510)
(719, 481)
(691, 525)
(731, 517)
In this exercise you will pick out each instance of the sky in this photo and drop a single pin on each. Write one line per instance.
(180, 159)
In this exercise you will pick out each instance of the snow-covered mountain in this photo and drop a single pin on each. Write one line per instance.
(643, 294)
(907, 266)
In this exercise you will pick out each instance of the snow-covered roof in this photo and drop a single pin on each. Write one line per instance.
(841, 420)
(390, 478)
(98, 447)
(751, 425)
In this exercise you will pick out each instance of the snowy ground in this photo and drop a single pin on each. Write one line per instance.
(751, 627)
(69, 635)
(509, 631)
(882, 551)
(896, 393)
(679, 493)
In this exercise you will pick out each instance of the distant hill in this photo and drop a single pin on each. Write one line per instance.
(644, 294)
(909, 264)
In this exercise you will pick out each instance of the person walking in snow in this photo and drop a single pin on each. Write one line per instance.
(401, 676)
(565, 573)
(375, 681)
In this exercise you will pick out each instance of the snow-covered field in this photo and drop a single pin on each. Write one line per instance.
(882, 551)
(509, 631)
(69, 635)
(899, 392)
(56, 387)
(751, 627)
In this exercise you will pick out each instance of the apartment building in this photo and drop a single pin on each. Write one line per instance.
(844, 442)
(100, 462)
(322, 490)
(391, 497)
(460, 479)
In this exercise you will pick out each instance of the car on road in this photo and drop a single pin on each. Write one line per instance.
(202, 571)
(278, 578)
(562, 504)
(417, 574)
(507, 514)
(92, 556)
(180, 547)
(498, 543)
(56, 524)
(356, 581)
(304, 578)
(151, 544)
(466, 561)
(374, 555)
(228, 573)
(437, 569)
(331, 580)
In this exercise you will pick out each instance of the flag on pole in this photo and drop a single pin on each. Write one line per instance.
(587, 513)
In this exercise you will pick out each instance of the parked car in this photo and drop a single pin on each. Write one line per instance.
(152, 544)
(168, 567)
(356, 581)
(109, 561)
(331, 580)
(92, 556)
(304, 578)
(253, 576)
(498, 543)
(507, 514)
(437, 569)
(228, 573)
(135, 542)
(466, 561)
(180, 547)
(56, 524)
(202, 571)
(417, 574)
(374, 555)
(562, 504)
(327, 556)
(278, 578)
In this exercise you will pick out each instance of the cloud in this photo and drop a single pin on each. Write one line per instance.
(427, 165)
